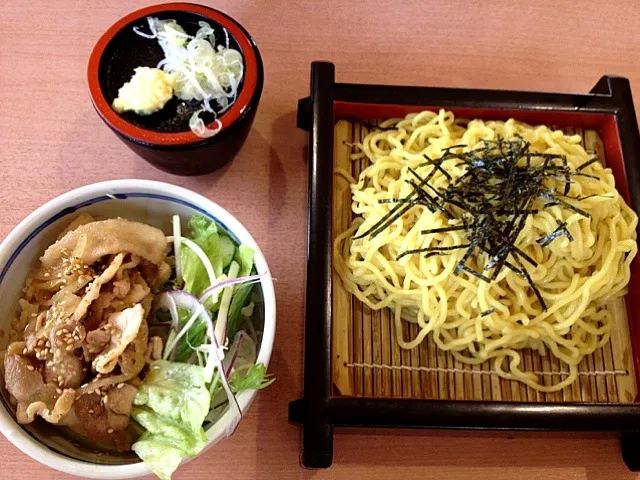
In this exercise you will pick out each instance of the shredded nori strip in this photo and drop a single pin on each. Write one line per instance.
(428, 201)
(586, 164)
(431, 249)
(559, 231)
(492, 198)
(520, 253)
(488, 312)
(531, 284)
(446, 149)
(424, 198)
(472, 272)
(445, 229)
(388, 219)
(587, 175)
(559, 201)
(419, 178)
(584, 197)
(394, 200)
(436, 254)
(436, 164)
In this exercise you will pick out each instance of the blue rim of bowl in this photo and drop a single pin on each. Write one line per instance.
(68, 211)
(118, 196)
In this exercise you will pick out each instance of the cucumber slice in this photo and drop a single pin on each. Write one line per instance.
(227, 250)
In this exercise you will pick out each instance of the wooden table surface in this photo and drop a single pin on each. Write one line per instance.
(51, 141)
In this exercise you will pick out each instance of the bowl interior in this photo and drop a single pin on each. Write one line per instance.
(128, 50)
(21, 250)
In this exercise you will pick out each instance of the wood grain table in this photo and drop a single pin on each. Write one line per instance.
(51, 141)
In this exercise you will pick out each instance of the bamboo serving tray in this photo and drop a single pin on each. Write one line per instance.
(368, 361)
(355, 372)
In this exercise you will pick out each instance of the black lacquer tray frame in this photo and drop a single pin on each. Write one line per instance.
(608, 108)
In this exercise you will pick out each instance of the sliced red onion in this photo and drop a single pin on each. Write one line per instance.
(183, 299)
(241, 337)
(165, 300)
(189, 302)
(226, 283)
(215, 352)
(216, 355)
(235, 349)
(215, 358)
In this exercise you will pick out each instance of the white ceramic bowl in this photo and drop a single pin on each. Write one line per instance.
(140, 200)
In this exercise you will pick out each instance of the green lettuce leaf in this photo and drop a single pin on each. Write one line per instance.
(244, 257)
(204, 232)
(161, 458)
(177, 391)
(171, 405)
(202, 227)
(170, 432)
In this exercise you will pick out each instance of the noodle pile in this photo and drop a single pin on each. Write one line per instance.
(576, 272)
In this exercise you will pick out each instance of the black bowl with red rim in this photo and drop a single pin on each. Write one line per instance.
(164, 138)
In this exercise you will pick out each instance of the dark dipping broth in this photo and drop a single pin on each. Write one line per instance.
(128, 50)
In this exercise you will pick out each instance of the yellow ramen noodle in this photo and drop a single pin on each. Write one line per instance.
(476, 321)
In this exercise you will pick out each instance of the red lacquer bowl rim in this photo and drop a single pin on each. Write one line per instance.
(227, 119)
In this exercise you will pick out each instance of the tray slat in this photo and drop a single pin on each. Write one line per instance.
(368, 362)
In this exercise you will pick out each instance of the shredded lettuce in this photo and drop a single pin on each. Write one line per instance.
(220, 251)
(176, 390)
(201, 227)
(204, 232)
(177, 397)
(241, 298)
(244, 257)
(171, 405)
(161, 458)
(248, 310)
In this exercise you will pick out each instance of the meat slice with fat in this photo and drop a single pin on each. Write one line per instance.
(92, 241)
